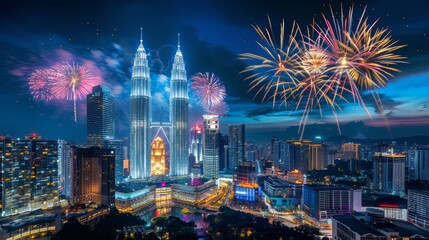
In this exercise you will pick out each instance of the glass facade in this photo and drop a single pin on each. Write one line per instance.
(211, 146)
(140, 116)
(179, 117)
(236, 145)
(101, 113)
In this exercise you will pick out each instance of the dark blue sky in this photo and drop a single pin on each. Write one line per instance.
(104, 35)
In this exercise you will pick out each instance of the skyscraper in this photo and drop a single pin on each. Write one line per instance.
(140, 106)
(236, 145)
(389, 173)
(65, 167)
(28, 175)
(350, 151)
(93, 175)
(211, 146)
(179, 116)
(196, 147)
(101, 113)
(418, 163)
(118, 146)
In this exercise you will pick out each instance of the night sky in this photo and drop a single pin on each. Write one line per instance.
(104, 35)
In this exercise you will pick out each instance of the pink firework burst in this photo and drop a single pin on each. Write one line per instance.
(41, 82)
(72, 82)
(210, 91)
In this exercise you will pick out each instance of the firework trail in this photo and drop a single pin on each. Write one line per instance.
(341, 61)
(40, 84)
(210, 93)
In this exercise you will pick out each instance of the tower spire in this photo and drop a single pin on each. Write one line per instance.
(141, 34)
(178, 41)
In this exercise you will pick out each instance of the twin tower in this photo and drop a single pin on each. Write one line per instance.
(141, 116)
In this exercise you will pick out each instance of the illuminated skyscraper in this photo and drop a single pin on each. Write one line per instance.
(140, 117)
(158, 157)
(389, 173)
(236, 145)
(211, 146)
(28, 175)
(196, 147)
(179, 116)
(101, 113)
(93, 176)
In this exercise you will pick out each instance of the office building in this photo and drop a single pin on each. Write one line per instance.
(118, 146)
(418, 163)
(322, 202)
(319, 157)
(211, 146)
(281, 194)
(101, 113)
(93, 176)
(389, 173)
(236, 145)
(179, 102)
(29, 175)
(65, 165)
(196, 144)
(350, 151)
(418, 208)
(140, 116)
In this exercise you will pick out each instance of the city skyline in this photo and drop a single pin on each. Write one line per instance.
(211, 42)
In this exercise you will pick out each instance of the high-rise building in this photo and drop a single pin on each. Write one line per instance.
(322, 202)
(140, 117)
(281, 156)
(319, 157)
(157, 157)
(211, 146)
(179, 101)
(29, 175)
(350, 151)
(418, 163)
(389, 173)
(418, 207)
(101, 113)
(65, 168)
(223, 159)
(118, 146)
(236, 145)
(196, 147)
(93, 175)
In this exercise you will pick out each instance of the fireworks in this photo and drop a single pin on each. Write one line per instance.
(316, 72)
(62, 81)
(40, 83)
(210, 93)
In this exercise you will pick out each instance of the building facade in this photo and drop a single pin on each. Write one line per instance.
(418, 208)
(179, 101)
(322, 202)
(236, 145)
(101, 113)
(389, 173)
(211, 146)
(140, 116)
(29, 175)
(418, 163)
(93, 176)
(196, 145)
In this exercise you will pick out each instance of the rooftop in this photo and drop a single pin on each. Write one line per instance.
(360, 223)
